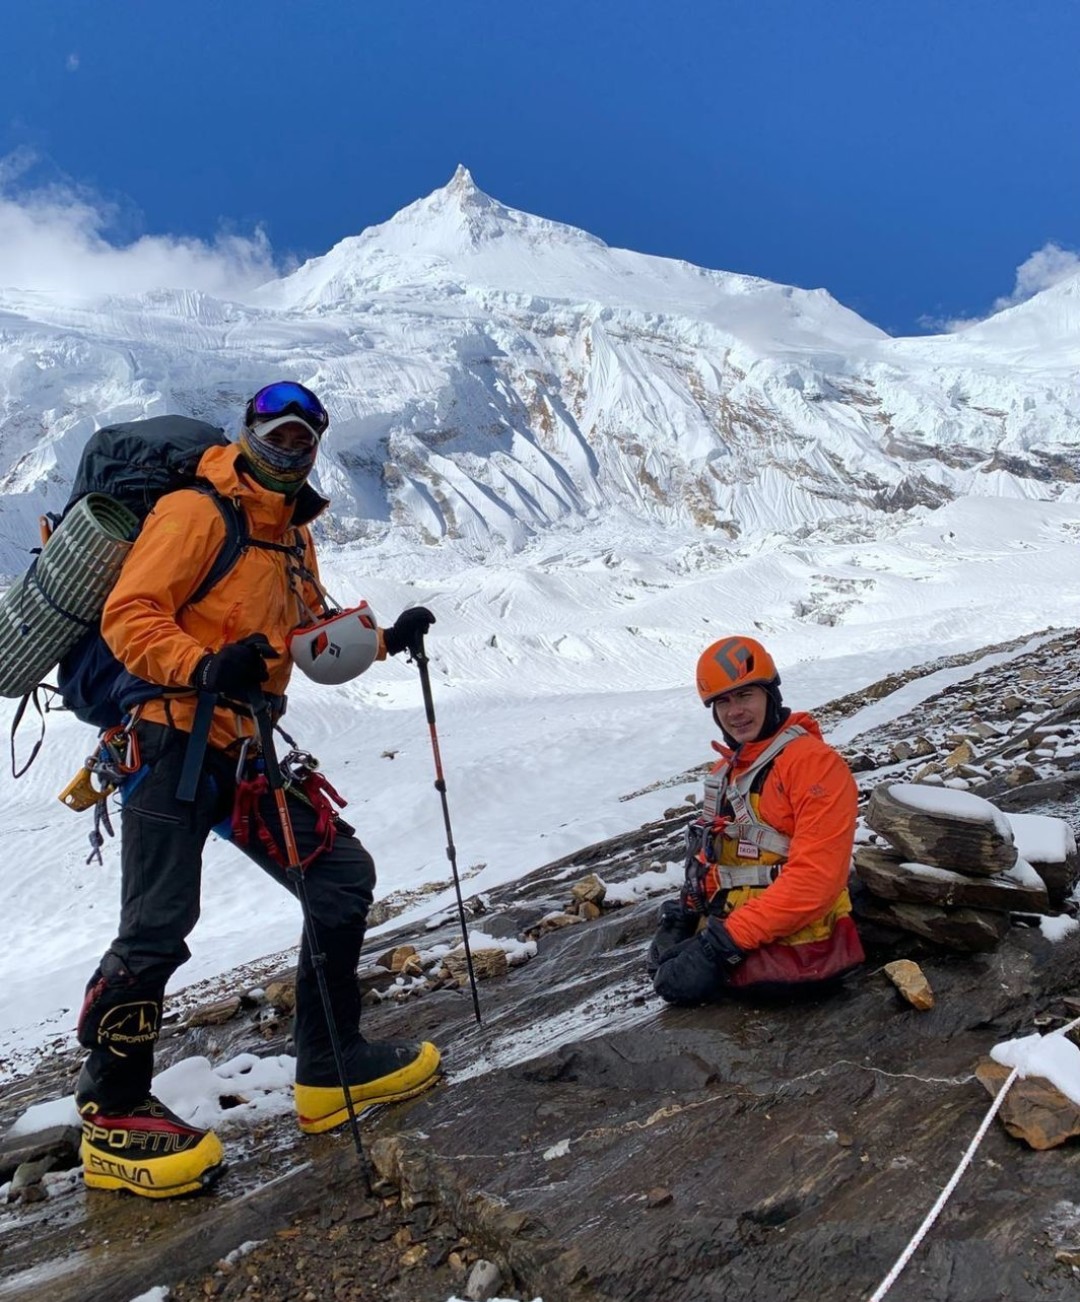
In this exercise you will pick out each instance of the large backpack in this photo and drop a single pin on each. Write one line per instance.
(137, 463)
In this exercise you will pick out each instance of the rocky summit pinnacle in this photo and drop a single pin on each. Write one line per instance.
(462, 183)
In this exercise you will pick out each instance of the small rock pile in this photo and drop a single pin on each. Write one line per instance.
(951, 871)
(586, 905)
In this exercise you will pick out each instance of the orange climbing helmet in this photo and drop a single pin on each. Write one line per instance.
(734, 662)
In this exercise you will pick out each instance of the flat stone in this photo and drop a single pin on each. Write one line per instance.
(1033, 1110)
(890, 878)
(968, 931)
(977, 841)
(215, 1014)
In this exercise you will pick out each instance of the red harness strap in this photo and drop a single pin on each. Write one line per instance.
(322, 798)
(248, 821)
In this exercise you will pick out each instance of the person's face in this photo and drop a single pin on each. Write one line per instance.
(741, 712)
(292, 437)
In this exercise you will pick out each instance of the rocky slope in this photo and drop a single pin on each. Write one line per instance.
(594, 1144)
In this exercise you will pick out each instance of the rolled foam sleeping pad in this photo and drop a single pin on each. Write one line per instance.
(45, 612)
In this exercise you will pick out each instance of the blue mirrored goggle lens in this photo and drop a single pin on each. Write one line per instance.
(285, 396)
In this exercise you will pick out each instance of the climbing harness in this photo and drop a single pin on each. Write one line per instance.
(705, 834)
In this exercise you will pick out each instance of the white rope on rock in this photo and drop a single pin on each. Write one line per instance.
(965, 1162)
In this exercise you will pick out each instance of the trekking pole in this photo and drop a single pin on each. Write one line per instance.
(260, 709)
(419, 655)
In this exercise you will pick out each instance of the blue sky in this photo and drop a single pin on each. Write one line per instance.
(908, 156)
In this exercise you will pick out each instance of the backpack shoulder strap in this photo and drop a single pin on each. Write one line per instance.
(237, 540)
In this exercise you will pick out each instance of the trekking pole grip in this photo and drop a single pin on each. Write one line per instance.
(419, 656)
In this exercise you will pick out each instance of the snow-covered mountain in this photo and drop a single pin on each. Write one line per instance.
(491, 374)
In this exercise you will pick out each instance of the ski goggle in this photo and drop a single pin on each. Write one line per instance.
(284, 398)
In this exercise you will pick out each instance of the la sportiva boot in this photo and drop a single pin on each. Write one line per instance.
(146, 1150)
(130, 1140)
(378, 1071)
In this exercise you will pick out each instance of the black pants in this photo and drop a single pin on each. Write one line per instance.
(162, 844)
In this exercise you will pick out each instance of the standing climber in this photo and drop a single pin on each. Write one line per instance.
(195, 670)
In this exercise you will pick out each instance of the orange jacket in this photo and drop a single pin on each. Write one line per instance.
(156, 636)
(810, 796)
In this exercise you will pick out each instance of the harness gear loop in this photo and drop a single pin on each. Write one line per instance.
(249, 823)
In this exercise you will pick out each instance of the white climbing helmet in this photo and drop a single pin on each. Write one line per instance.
(338, 648)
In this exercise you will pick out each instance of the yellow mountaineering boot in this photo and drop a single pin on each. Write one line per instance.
(380, 1071)
(147, 1150)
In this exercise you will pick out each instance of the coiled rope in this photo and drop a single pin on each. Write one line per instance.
(954, 1180)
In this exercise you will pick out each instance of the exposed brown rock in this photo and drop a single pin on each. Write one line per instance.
(963, 754)
(908, 978)
(1020, 775)
(281, 993)
(214, 1014)
(589, 890)
(1034, 1110)
(394, 959)
(486, 963)
(552, 922)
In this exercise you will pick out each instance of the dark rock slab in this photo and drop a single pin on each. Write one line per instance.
(780, 1130)
(973, 842)
(970, 931)
(891, 878)
(797, 1142)
(61, 1142)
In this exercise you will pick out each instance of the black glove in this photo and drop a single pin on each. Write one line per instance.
(236, 668)
(698, 969)
(408, 630)
(677, 923)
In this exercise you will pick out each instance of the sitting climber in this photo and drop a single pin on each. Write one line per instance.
(765, 901)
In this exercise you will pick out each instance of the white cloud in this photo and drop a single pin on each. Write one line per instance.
(54, 237)
(1046, 266)
(71, 63)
